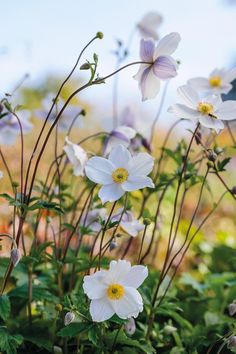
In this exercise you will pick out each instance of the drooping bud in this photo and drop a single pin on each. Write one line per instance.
(211, 155)
(218, 150)
(100, 35)
(232, 342)
(233, 190)
(15, 256)
(232, 309)
(69, 317)
(130, 326)
(57, 350)
(198, 137)
(85, 66)
(168, 329)
(113, 245)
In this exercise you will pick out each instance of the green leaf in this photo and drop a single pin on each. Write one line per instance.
(74, 329)
(9, 343)
(221, 164)
(5, 307)
(122, 339)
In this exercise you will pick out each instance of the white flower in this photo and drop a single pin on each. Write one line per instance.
(120, 135)
(77, 156)
(209, 111)
(91, 219)
(161, 66)
(128, 222)
(218, 82)
(149, 24)
(114, 291)
(120, 173)
(10, 128)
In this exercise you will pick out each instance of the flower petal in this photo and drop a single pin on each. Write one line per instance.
(118, 270)
(182, 111)
(165, 67)
(134, 183)
(110, 192)
(132, 228)
(120, 156)
(93, 285)
(188, 95)
(129, 305)
(149, 84)
(230, 75)
(136, 276)
(227, 110)
(167, 45)
(199, 84)
(147, 47)
(141, 69)
(141, 164)
(99, 170)
(101, 310)
(211, 123)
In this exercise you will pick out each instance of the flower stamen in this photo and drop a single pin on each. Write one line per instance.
(120, 175)
(215, 81)
(115, 292)
(205, 108)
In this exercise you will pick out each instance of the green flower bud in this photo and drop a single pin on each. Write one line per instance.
(100, 35)
(210, 164)
(58, 307)
(147, 221)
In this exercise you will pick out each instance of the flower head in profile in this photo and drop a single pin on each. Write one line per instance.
(121, 135)
(208, 111)
(91, 219)
(114, 291)
(10, 128)
(218, 82)
(77, 157)
(120, 173)
(160, 65)
(149, 24)
(128, 222)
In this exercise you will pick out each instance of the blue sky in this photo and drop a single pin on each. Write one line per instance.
(42, 37)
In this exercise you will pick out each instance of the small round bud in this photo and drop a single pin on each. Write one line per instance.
(233, 190)
(232, 342)
(58, 307)
(69, 317)
(212, 156)
(83, 112)
(57, 350)
(232, 309)
(15, 184)
(147, 221)
(210, 164)
(15, 256)
(168, 329)
(130, 326)
(113, 245)
(100, 35)
(218, 150)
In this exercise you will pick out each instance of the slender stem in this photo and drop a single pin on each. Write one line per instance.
(141, 246)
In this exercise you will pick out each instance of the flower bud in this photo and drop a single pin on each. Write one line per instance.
(168, 329)
(147, 221)
(232, 309)
(57, 350)
(198, 137)
(100, 35)
(212, 156)
(69, 317)
(113, 245)
(233, 190)
(83, 112)
(210, 164)
(85, 66)
(218, 150)
(15, 256)
(130, 326)
(232, 342)
(58, 307)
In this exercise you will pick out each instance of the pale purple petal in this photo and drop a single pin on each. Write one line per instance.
(149, 84)
(165, 67)
(147, 47)
(167, 45)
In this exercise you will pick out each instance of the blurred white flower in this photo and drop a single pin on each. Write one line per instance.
(120, 135)
(128, 222)
(130, 326)
(160, 65)
(77, 157)
(218, 82)
(10, 128)
(15, 256)
(149, 24)
(209, 111)
(114, 291)
(120, 173)
(91, 219)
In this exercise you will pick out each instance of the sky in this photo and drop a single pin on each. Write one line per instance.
(44, 37)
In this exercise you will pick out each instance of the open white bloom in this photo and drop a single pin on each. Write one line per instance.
(120, 135)
(160, 65)
(128, 222)
(77, 156)
(218, 82)
(209, 111)
(114, 291)
(120, 173)
(149, 24)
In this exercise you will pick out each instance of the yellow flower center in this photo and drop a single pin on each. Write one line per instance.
(215, 81)
(205, 108)
(115, 291)
(120, 175)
